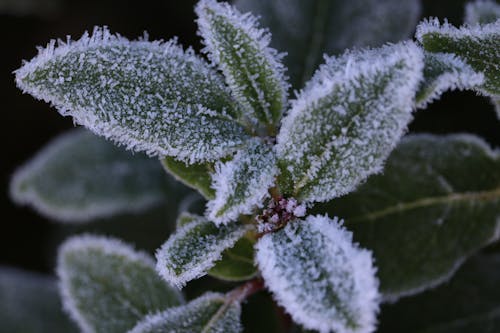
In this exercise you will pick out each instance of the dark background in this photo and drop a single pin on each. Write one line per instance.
(26, 239)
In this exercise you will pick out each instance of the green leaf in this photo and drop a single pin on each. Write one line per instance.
(308, 29)
(442, 72)
(319, 276)
(437, 203)
(107, 286)
(194, 248)
(79, 177)
(186, 218)
(253, 70)
(210, 313)
(346, 121)
(196, 175)
(236, 263)
(482, 12)
(29, 303)
(478, 46)
(149, 96)
(470, 302)
(243, 183)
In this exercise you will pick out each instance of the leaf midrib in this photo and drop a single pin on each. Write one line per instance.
(430, 201)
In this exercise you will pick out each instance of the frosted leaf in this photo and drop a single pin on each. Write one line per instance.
(346, 121)
(319, 276)
(149, 96)
(29, 303)
(107, 287)
(78, 177)
(210, 313)
(242, 184)
(194, 248)
(477, 45)
(482, 12)
(436, 204)
(442, 72)
(308, 29)
(253, 70)
(237, 263)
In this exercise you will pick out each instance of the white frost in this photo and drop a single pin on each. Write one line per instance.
(194, 248)
(348, 118)
(150, 96)
(72, 295)
(199, 315)
(473, 31)
(447, 72)
(242, 184)
(253, 70)
(320, 277)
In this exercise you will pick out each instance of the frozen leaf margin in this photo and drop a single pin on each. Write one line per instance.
(319, 276)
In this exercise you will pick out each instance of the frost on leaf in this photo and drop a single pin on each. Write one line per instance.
(482, 12)
(477, 45)
(196, 175)
(149, 96)
(308, 29)
(442, 72)
(79, 177)
(210, 313)
(106, 286)
(194, 248)
(30, 303)
(437, 203)
(253, 70)
(319, 276)
(346, 121)
(242, 184)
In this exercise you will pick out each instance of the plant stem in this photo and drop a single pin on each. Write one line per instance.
(245, 290)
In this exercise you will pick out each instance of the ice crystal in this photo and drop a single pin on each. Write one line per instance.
(193, 249)
(319, 276)
(444, 72)
(242, 184)
(151, 96)
(348, 118)
(208, 314)
(477, 45)
(253, 70)
(107, 286)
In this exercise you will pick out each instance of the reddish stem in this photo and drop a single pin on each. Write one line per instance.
(246, 290)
